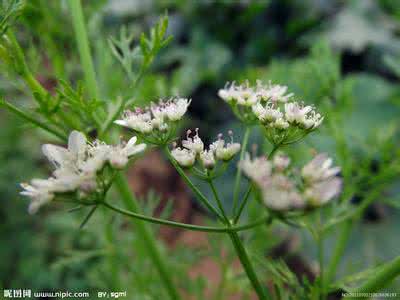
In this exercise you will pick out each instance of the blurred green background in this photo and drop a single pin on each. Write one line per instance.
(343, 56)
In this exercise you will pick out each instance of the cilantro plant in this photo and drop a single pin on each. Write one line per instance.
(88, 160)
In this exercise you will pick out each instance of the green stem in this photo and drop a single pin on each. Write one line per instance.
(243, 204)
(320, 243)
(344, 235)
(146, 236)
(273, 151)
(184, 225)
(239, 171)
(34, 85)
(23, 115)
(218, 200)
(195, 190)
(24, 70)
(387, 274)
(245, 261)
(83, 46)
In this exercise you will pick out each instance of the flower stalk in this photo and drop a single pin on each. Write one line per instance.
(239, 171)
(245, 261)
(83, 46)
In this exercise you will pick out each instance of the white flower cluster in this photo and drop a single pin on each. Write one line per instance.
(76, 167)
(156, 119)
(193, 147)
(281, 192)
(270, 105)
(247, 95)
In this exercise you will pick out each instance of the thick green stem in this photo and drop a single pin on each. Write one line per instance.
(83, 46)
(385, 276)
(239, 171)
(245, 261)
(146, 236)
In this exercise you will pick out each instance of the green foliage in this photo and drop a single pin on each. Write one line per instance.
(10, 10)
(361, 131)
(144, 53)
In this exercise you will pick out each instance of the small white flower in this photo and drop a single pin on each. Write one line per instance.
(257, 169)
(224, 151)
(158, 111)
(39, 191)
(73, 181)
(267, 114)
(241, 94)
(272, 92)
(312, 120)
(138, 121)
(295, 113)
(319, 168)
(228, 93)
(322, 192)
(279, 193)
(280, 123)
(194, 144)
(77, 167)
(185, 158)
(176, 109)
(258, 110)
(207, 159)
(119, 155)
(66, 158)
(245, 96)
(97, 157)
(281, 161)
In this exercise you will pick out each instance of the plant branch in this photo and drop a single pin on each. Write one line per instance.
(273, 151)
(239, 171)
(83, 46)
(195, 190)
(243, 204)
(23, 115)
(245, 261)
(184, 225)
(218, 200)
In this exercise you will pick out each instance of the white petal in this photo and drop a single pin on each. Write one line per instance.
(135, 149)
(76, 142)
(55, 154)
(121, 122)
(131, 142)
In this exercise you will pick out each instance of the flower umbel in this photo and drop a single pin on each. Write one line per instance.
(193, 150)
(284, 121)
(77, 168)
(156, 123)
(282, 190)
